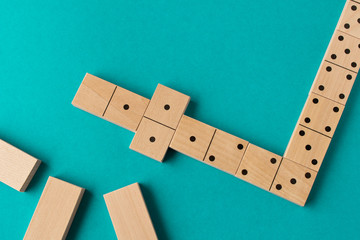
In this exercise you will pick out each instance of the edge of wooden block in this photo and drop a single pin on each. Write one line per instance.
(30, 176)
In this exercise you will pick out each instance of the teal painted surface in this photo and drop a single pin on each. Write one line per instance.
(248, 67)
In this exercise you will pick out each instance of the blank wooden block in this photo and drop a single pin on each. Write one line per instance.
(293, 182)
(55, 211)
(226, 151)
(126, 109)
(16, 167)
(344, 50)
(258, 166)
(167, 106)
(321, 114)
(350, 19)
(93, 95)
(129, 214)
(192, 138)
(333, 82)
(152, 139)
(307, 147)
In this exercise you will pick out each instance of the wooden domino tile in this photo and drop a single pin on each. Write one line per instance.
(344, 50)
(350, 19)
(321, 114)
(192, 138)
(126, 109)
(129, 214)
(226, 151)
(167, 106)
(307, 147)
(16, 167)
(152, 139)
(55, 211)
(333, 82)
(293, 182)
(93, 95)
(258, 166)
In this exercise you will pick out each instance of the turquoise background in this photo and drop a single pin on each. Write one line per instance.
(248, 67)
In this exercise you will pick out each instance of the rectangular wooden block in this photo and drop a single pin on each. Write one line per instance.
(293, 182)
(55, 211)
(152, 139)
(321, 114)
(333, 82)
(93, 95)
(350, 19)
(126, 109)
(307, 147)
(167, 106)
(226, 151)
(258, 166)
(192, 138)
(16, 167)
(344, 51)
(129, 214)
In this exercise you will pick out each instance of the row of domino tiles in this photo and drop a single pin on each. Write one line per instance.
(160, 123)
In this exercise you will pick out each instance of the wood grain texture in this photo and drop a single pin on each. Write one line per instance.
(344, 51)
(307, 147)
(226, 151)
(126, 109)
(16, 167)
(152, 139)
(93, 95)
(192, 138)
(55, 211)
(129, 214)
(293, 182)
(167, 106)
(258, 166)
(349, 21)
(321, 114)
(333, 82)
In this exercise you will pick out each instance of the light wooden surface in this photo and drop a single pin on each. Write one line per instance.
(126, 109)
(258, 166)
(344, 51)
(321, 114)
(293, 182)
(226, 151)
(55, 211)
(307, 147)
(333, 82)
(152, 139)
(192, 138)
(16, 167)
(349, 19)
(129, 214)
(93, 95)
(167, 106)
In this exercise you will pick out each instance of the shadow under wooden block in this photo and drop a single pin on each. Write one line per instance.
(17, 168)
(307, 147)
(192, 138)
(126, 109)
(321, 114)
(226, 151)
(93, 95)
(152, 139)
(258, 166)
(293, 182)
(344, 50)
(55, 211)
(167, 106)
(333, 82)
(350, 19)
(129, 214)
